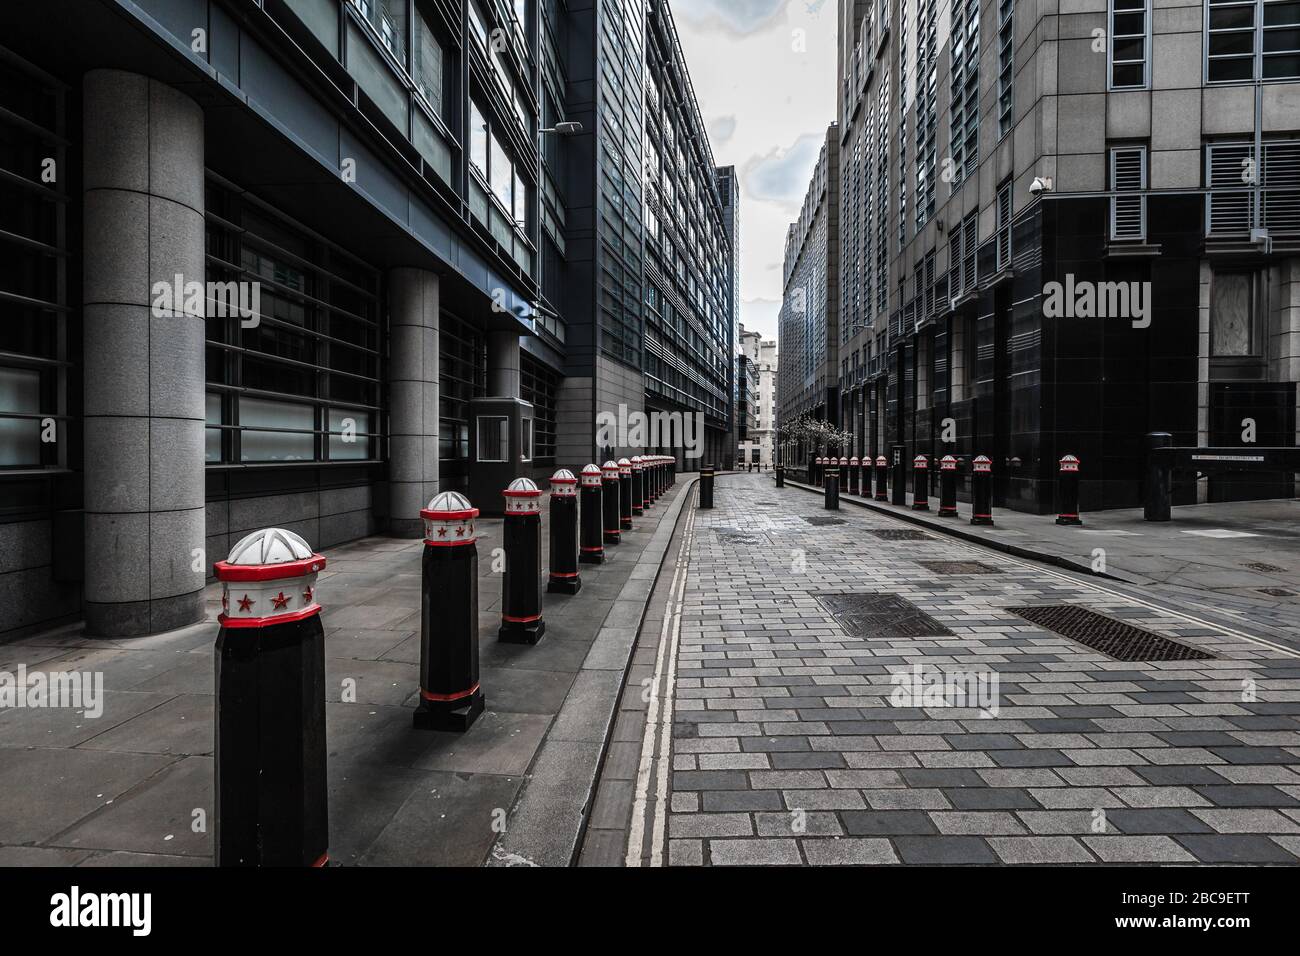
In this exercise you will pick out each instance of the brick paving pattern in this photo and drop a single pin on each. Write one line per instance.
(787, 749)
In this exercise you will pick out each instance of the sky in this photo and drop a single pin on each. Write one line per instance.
(764, 75)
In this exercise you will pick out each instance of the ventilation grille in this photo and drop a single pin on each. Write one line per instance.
(1128, 174)
(1115, 639)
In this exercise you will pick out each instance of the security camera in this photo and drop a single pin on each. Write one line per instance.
(1040, 185)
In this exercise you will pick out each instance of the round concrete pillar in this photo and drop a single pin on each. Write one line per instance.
(413, 296)
(144, 356)
(504, 378)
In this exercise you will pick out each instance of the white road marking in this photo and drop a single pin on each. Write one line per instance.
(665, 680)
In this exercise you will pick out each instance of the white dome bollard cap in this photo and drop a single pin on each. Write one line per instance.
(523, 497)
(591, 476)
(564, 484)
(273, 573)
(449, 520)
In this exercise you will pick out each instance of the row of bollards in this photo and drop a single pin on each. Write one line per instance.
(854, 476)
(270, 751)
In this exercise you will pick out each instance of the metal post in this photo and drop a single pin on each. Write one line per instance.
(610, 505)
(521, 591)
(921, 483)
(948, 487)
(832, 486)
(706, 488)
(882, 478)
(899, 463)
(1160, 480)
(625, 493)
(450, 695)
(592, 546)
(982, 491)
(564, 576)
(1067, 489)
(271, 790)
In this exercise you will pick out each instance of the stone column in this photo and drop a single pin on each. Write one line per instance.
(503, 365)
(144, 365)
(414, 397)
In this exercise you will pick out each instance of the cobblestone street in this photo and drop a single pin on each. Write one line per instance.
(766, 732)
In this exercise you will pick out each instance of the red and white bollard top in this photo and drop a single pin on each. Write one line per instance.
(844, 463)
(853, 461)
(449, 521)
(949, 463)
(523, 497)
(269, 578)
(921, 463)
(638, 463)
(983, 465)
(882, 462)
(1069, 465)
(625, 467)
(591, 476)
(610, 470)
(563, 484)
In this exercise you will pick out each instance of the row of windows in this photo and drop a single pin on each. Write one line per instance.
(1245, 40)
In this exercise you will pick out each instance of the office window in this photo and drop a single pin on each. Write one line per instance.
(1006, 66)
(964, 119)
(493, 438)
(1130, 44)
(1004, 214)
(1128, 183)
(478, 139)
(428, 68)
(387, 18)
(1236, 29)
(303, 384)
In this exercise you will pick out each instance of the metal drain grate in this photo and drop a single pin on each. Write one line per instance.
(1277, 592)
(1115, 639)
(822, 521)
(898, 534)
(957, 567)
(881, 615)
(1265, 568)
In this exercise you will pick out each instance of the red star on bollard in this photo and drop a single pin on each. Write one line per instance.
(246, 603)
(307, 594)
(280, 601)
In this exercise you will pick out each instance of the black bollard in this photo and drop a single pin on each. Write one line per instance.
(1067, 490)
(521, 591)
(921, 483)
(638, 487)
(648, 479)
(1159, 492)
(564, 578)
(882, 478)
(948, 487)
(855, 477)
(592, 545)
(780, 476)
(625, 494)
(844, 474)
(450, 695)
(982, 491)
(898, 494)
(706, 488)
(271, 790)
(612, 495)
(832, 486)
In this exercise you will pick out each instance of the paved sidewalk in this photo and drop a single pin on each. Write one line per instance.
(1238, 558)
(786, 748)
(124, 788)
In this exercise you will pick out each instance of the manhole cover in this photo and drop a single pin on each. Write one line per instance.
(1261, 566)
(1116, 639)
(881, 615)
(957, 567)
(734, 536)
(1277, 592)
(822, 521)
(898, 534)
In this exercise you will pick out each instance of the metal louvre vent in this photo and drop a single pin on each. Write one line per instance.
(1004, 228)
(1115, 639)
(1231, 177)
(1128, 174)
(1280, 178)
